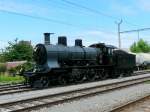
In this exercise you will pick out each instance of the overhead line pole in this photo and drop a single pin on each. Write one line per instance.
(138, 35)
(119, 39)
(1, 51)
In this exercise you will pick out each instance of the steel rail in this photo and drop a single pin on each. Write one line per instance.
(16, 91)
(49, 100)
(10, 85)
(12, 88)
(125, 105)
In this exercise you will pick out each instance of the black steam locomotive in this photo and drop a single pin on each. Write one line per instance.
(65, 64)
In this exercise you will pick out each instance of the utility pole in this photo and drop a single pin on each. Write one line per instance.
(119, 39)
(2, 50)
(138, 35)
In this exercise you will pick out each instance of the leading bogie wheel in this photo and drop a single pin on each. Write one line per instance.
(42, 82)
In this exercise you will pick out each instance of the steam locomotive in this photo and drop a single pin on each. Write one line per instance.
(66, 64)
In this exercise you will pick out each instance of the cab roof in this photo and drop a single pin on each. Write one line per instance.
(98, 45)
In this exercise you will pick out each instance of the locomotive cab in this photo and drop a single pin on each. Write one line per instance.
(107, 53)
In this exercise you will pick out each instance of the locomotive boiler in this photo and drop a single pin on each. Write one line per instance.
(66, 64)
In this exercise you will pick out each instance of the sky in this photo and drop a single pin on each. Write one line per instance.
(92, 21)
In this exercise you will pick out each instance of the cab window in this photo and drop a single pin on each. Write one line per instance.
(110, 51)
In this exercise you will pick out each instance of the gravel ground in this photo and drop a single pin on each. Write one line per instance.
(102, 102)
(31, 94)
(142, 106)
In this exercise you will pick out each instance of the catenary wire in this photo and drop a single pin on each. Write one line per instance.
(96, 11)
(49, 19)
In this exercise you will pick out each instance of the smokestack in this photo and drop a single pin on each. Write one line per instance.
(47, 38)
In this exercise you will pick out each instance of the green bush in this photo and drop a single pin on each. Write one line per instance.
(21, 68)
(2, 67)
(27, 66)
(6, 78)
(12, 71)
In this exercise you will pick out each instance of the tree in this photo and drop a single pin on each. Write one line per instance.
(17, 51)
(140, 46)
(2, 67)
(1, 58)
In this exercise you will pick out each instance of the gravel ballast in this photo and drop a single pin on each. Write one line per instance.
(102, 102)
(140, 106)
(33, 94)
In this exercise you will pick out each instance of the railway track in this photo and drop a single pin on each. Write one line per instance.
(69, 95)
(141, 72)
(20, 87)
(13, 88)
(3, 86)
(129, 104)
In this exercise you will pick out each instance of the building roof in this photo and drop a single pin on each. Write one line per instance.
(14, 64)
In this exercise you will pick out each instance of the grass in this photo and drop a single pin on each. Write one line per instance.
(5, 78)
(147, 82)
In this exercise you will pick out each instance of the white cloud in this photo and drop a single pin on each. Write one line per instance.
(132, 8)
(100, 33)
(3, 44)
(123, 9)
(143, 4)
(26, 8)
(94, 36)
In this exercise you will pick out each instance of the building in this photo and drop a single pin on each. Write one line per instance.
(14, 64)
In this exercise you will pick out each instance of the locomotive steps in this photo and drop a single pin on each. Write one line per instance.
(49, 97)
